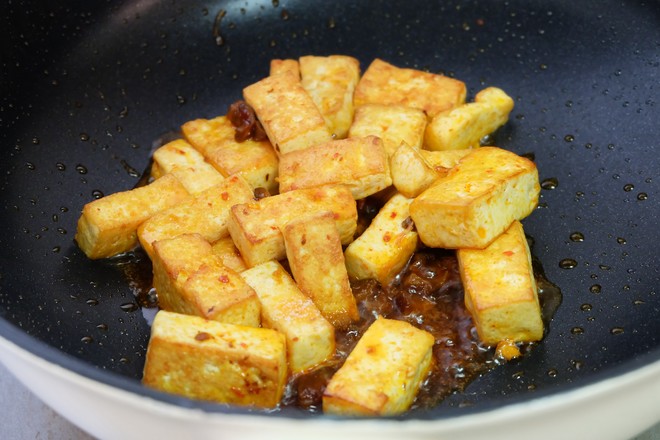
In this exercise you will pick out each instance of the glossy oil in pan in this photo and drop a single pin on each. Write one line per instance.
(89, 88)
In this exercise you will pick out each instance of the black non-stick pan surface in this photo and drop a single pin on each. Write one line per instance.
(88, 88)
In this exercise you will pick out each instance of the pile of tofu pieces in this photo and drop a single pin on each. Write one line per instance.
(234, 325)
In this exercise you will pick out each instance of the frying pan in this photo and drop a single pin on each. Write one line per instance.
(89, 88)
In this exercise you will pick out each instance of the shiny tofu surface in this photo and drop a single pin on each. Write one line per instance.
(465, 125)
(330, 81)
(255, 161)
(188, 165)
(361, 164)
(226, 250)
(386, 245)
(255, 227)
(189, 278)
(384, 83)
(383, 373)
(316, 259)
(287, 112)
(394, 124)
(206, 213)
(310, 337)
(477, 200)
(278, 66)
(214, 361)
(500, 289)
(108, 226)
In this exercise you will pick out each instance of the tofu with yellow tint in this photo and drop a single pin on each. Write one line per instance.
(217, 362)
(315, 255)
(255, 226)
(361, 164)
(384, 83)
(383, 373)
(500, 289)
(187, 164)
(394, 124)
(206, 213)
(464, 126)
(287, 112)
(255, 161)
(477, 200)
(226, 250)
(310, 337)
(411, 173)
(108, 226)
(190, 279)
(386, 245)
(278, 66)
(331, 81)
(444, 160)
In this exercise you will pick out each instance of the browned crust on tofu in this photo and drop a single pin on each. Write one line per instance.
(255, 161)
(287, 112)
(359, 163)
(383, 83)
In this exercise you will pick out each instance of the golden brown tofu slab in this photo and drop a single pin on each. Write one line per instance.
(255, 161)
(315, 255)
(108, 226)
(500, 289)
(218, 362)
(278, 66)
(383, 83)
(190, 279)
(386, 245)
(477, 200)
(444, 160)
(464, 126)
(331, 81)
(310, 337)
(187, 164)
(206, 213)
(255, 227)
(287, 112)
(360, 164)
(383, 373)
(394, 124)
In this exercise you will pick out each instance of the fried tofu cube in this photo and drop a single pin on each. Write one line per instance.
(108, 226)
(465, 125)
(359, 163)
(477, 200)
(500, 289)
(386, 245)
(218, 362)
(310, 337)
(255, 227)
(383, 373)
(411, 173)
(255, 161)
(206, 213)
(383, 83)
(187, 164)
(331, 81)
(444, 160)
(278, 66)
(316, 259)
(287, 112)
(394, 124)
(190, 279)
(226, 250)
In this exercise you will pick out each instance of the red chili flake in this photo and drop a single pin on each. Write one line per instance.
(387, 237)
(508, 253)
(480, 21)
(223, 279)
(202, 336)
(225, 196)
(393, 215)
